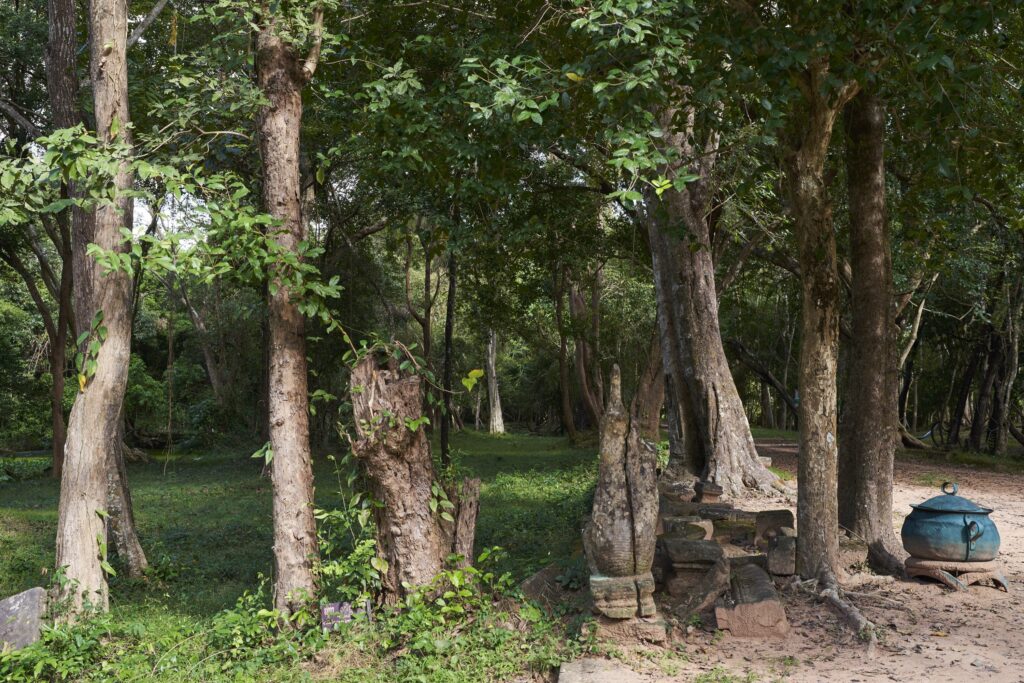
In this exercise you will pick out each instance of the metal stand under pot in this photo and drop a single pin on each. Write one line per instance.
(953, 540)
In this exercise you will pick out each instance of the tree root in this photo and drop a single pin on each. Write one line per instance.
(832, 594)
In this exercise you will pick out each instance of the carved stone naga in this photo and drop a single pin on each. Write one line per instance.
(619, 539)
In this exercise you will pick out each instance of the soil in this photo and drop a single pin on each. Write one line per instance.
(926, 632)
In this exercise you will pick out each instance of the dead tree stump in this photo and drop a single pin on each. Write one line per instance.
(413, 534)
(619, 539)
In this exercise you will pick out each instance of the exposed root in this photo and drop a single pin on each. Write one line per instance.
(836, 599)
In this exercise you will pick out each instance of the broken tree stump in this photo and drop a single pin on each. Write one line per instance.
(754, 609)
(413, 532)
(620, 537)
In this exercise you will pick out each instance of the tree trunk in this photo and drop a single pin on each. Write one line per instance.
(449, 331)
(650, 394)
(686, 452)
(868, 429)
(730, 459)
(1010, 342)
(964, 394)
(564, 378)
(414, 539)
(496, 424)
(588, 369)
(95, 417)
(817, 509)
(983, 403)
(280, 76)
(767, 411)
(123, 534)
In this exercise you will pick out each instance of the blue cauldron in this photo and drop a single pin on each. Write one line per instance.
(950, 528)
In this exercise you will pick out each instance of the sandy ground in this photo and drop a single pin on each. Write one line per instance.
(928, 632)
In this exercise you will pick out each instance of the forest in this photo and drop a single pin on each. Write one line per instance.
(547, 340)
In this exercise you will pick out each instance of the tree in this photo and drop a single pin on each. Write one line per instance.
(281, 74)
(94, 425)
(868, 428)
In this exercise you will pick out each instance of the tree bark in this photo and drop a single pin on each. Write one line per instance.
(95, 417)
(729, 457)
(414, 539)
(810, 134)
(564, 378)
(964, 394)
(588, 367)
(868, 428)
(1010, 342)
(449, 331)
(650, 394)
(122, 529)
(281, 76)
(495, 423)
(983, 403)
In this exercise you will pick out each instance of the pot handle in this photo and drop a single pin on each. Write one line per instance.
(974, 532)
(947, 485)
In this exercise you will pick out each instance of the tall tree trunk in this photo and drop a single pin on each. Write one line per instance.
(964, 394)
(817, 509)
(564, 378)
(121, 526)
(1010, 342)
(281, 74)
(730, 459)
(496, 423)
(868, 429)
(62, 91)
(588, 366)
(983, 403)
(686, 451)
(96, 415)
(449, 331)
(650, 394)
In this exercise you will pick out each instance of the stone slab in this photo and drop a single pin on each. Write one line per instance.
(630, 631)
(21, 618)
(782, 554)
(754, 610)
(704, 592)
(681, 549)
(768, 522)
(596, 670)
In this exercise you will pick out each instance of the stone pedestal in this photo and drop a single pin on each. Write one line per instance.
(624, 597)
(958, 575)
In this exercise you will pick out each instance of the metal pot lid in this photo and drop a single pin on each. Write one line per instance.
(950, 502)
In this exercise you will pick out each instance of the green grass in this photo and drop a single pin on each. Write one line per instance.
(205, 523)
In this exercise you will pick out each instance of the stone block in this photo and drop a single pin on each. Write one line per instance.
(597, 670)
(690, 526)
(708, 492)
(629, 631)
(703, 593)
(782, 553)
(21, 618)
(753, 609)
(740, 560)
(684, 550)
(623, 597)
(767, 524)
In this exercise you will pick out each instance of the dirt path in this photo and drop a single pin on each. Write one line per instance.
(929, 633)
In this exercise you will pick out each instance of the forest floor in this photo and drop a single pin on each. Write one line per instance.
(205, 522)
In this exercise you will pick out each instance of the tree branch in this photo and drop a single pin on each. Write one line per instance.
(146, 22)
(313, 58)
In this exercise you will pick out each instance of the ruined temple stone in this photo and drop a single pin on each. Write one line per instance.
(21, 618)
(782, 552)
(691, 560)
(597, 670)
(734, 531)
(708, 492)
(619, 539)
(645, 629)
(690, 526)
(768, 523)
(681, 549)
(738, 561)
(753, 609)
(703, 592)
